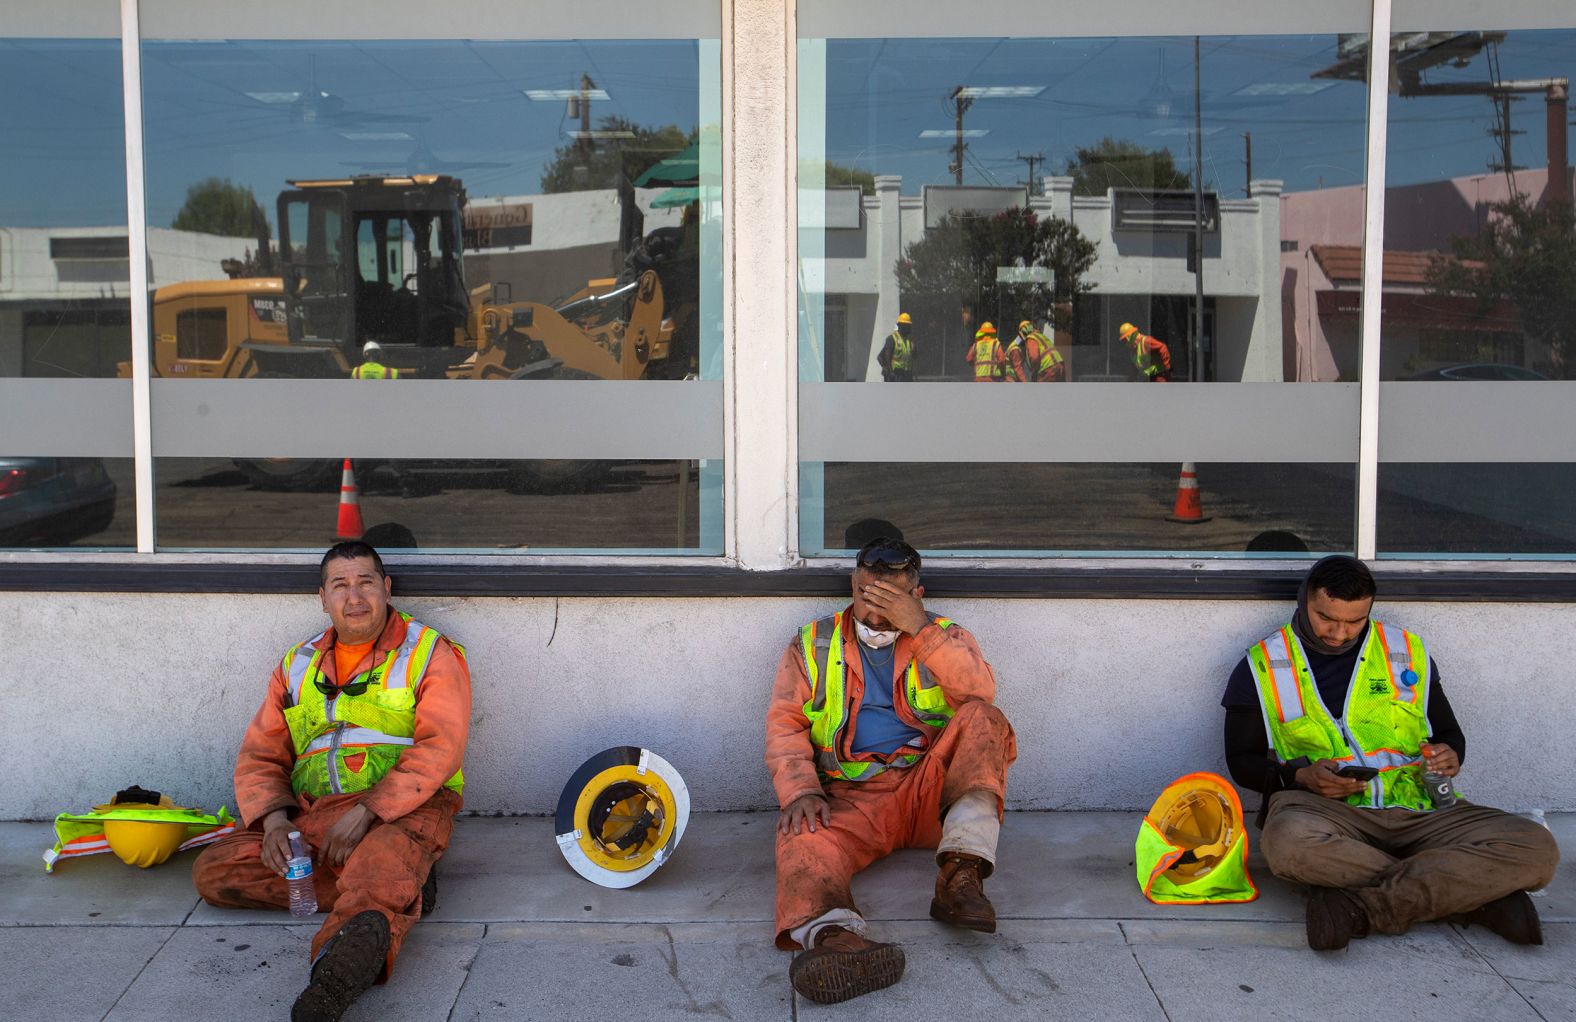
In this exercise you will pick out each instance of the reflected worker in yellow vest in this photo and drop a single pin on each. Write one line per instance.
(896, 357)
(372, 367)
(881, 734)
(358, 746)
(1341, 722)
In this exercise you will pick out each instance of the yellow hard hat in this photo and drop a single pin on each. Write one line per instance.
(1025, 327)
(621, 816)
(905, 319)
(1201, 816)
(143, 843)
(1127, 330)
(986, 330)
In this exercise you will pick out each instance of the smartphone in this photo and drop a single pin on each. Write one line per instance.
(1358, 773)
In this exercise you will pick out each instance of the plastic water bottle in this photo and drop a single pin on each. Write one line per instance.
(1537, 817)
(298, 874)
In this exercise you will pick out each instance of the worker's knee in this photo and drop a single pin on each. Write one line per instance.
(214, 873)
(978, 715)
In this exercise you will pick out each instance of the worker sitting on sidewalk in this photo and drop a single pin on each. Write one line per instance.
(358, 746)
(1391, 846)
(881, 735)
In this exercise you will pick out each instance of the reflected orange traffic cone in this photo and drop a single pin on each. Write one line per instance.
(1189, 509)
(350, 524)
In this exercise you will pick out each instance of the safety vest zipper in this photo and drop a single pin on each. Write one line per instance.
(333, 748)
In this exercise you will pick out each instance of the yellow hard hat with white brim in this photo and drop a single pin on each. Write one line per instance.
(621, 816)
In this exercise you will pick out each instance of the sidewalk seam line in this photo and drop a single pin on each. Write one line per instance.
(1460, 932)
(122, 995)
(468, 965)
(1132, 949)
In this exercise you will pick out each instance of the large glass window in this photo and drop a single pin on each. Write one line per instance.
(1479, 308)
(1157, 236)
(346, 226)
(65, 321)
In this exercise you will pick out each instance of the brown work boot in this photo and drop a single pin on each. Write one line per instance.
(1513, 917)
(429, 891)
(1334, 917)
(842, 965)
(960, 894)
(350, 963)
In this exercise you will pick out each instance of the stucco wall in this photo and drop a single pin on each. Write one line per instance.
(1110, 698)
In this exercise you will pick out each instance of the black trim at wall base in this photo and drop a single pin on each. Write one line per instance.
(1459, 585)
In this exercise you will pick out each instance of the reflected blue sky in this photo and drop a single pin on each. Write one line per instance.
(236, 109)
(260, 112)
(881, 94)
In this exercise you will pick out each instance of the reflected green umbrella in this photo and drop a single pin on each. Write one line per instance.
(681, 168)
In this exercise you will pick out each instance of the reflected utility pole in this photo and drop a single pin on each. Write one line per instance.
(959, 146)
(1036, 184)
(1195, 366)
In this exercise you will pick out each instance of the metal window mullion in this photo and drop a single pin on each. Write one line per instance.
(137, 251)
(1373, 281)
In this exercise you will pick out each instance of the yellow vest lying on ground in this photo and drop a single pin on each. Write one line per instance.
(1384, 721)
(1192, 846)
(376, 725)
(827, 710)
(79, 834)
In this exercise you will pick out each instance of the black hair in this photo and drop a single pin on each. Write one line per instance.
(349, 550)
(1342, 578)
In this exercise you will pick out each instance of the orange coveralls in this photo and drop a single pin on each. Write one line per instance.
(415, 813)
(898, 808)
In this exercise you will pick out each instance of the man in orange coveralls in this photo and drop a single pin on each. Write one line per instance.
(881, 735)
(358, 746)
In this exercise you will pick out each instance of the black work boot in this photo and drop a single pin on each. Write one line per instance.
(352, 962)
(960, 894)
(429, 891)
(1513, 917)
(842, 965)
(1335, 916)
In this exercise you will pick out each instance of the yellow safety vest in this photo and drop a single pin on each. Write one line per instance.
(987, 360)
(1049, 358)
(380, 723)
(821, 643)
(902, 352)
(1384, 721)
(373, 371)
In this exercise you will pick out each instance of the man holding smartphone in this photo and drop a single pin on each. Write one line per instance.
(881, 734)
(1336, 718)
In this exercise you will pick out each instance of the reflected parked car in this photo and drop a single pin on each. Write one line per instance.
(53, 500)
(1479, 371)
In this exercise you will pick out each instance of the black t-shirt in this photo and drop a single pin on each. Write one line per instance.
(1248, 754)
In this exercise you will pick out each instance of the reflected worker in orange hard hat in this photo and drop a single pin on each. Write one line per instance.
(987, 356)
(896, 357)
(1150, 354)
(1032, 358)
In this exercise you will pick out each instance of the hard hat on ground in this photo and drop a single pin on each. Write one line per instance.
(371, 350)
(143, 828)
(1193, 846)
(986, 330)
(904, 318)
(621, 816)
(1127, 330)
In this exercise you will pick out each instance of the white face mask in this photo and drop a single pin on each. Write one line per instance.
(872, 638)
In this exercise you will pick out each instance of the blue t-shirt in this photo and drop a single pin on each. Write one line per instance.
(879, 729)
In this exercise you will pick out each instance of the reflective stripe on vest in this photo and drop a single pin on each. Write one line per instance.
(1383, 723)
(821, 643)
(987, 358)
(376, 725)
(902, 352)
(1049, 357)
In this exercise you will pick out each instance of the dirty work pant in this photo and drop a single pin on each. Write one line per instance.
(1406, 867)
(384, 872)
(899, 808)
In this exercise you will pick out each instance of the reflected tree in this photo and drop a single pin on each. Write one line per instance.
(1524, 255)
(1118, 163)
(960, 257)
(595, 163)
(219, 206)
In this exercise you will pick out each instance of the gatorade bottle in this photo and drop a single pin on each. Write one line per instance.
(298, 874)
(1441, 789)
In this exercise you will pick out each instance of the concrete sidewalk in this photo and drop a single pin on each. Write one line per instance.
(518, 936)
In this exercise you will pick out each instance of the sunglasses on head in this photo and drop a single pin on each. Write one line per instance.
(892, 555)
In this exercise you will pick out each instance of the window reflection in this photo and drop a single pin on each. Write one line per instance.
(1154, 209)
